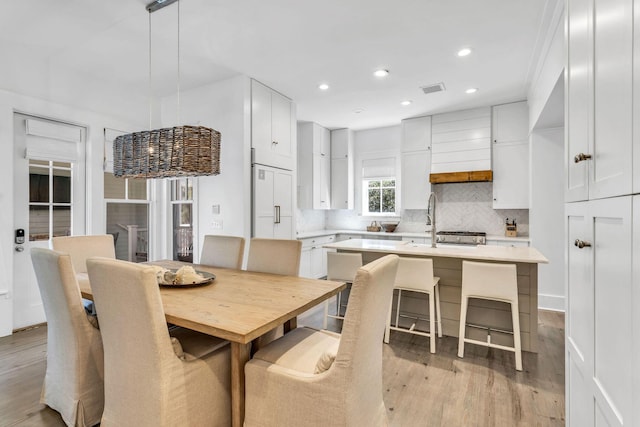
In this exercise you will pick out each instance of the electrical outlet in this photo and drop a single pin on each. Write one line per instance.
(216, 224)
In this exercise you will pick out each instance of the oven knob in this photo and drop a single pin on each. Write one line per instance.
(475, 240)
(457, 239)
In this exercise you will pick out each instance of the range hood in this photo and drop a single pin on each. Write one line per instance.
(461, 146)
(468, 176)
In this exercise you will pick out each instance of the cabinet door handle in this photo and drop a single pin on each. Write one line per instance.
(275, 142)
(581, 156)
(276, 214)
(582, 244)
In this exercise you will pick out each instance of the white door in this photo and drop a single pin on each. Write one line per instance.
(48, 201)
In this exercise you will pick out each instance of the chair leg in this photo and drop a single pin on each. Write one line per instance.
(387, 330)
(516, 335)
(438, 312)
(463, 321)
(432, 322)
(326, 314)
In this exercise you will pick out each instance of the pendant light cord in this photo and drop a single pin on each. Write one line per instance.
(178, 101)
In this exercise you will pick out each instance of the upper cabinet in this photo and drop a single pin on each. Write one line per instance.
(314, 166)
(599, 99)
(271, 127)
(510, 137)
(342, 169)
(416, 162)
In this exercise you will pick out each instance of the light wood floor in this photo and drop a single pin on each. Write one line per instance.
(420, 389)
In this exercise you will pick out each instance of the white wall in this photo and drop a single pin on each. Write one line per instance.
(547, 214)
(223, 106)
(95, 122)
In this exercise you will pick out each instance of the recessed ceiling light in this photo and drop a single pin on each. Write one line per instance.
(405, 103)
(381, 73)
(323, 86)
(472, 90)
(464, 52)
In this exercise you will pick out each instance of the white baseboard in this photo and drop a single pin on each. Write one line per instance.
(551, 302)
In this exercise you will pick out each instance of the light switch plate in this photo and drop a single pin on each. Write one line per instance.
(216, 224)
(215, 209)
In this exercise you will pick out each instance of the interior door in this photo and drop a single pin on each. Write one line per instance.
(48, 201)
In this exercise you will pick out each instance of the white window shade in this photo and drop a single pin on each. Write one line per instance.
(379, 168)
(52, 141)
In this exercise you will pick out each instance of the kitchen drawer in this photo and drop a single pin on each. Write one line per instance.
(419, 240)
(342, 237)
(511, 243)
(318, 241)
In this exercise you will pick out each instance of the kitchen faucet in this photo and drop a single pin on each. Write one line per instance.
(431, 217)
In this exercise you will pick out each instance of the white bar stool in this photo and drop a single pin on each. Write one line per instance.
(416, 275)
(341, 266)
(497, 282)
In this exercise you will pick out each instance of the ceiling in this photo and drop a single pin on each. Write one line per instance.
(290, 45)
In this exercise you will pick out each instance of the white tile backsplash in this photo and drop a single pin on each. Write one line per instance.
(464, 206)
(310, 220)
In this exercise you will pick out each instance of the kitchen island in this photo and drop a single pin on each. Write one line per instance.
(447, 264)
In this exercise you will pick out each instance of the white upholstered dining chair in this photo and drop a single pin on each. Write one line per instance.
(222, 251)
(80, 248)
(319, 378)
(150, 378)
(73, 383)
(275, 256)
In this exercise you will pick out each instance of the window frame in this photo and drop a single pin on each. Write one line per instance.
(365, 196)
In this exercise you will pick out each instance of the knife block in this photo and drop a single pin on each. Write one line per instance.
(511, 230)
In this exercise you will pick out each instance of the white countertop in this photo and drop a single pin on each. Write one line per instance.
(401, 234)
(481, 252)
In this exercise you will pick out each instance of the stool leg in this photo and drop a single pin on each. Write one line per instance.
(439, 313)
(516, 335)
(387, 330)
(326, 314)
(432, 326)
(463, 321)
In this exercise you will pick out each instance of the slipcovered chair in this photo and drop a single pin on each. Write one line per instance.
(73, 384)
(275, 256)
(150, 378)
(80, 248)
(319, 378)
(222, 251)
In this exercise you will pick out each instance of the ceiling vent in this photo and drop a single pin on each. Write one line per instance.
(438, 87)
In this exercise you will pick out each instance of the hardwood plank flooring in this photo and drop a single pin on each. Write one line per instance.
(421, 389)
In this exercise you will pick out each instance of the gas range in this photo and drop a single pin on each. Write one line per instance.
(461, 237)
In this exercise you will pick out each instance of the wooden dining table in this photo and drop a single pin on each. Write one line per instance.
(239, 306)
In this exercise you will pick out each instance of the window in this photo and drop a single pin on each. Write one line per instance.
(182, 209)
(50, 204)
(127, 209)
(380, 195)
(379, 186)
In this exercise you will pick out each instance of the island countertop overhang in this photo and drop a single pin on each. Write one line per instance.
(481, 252)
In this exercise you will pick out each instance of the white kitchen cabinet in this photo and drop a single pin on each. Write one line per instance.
(415, 179)
(314, 166)
(510, 156)
(345, 236)
(271, 127)
(415, 162)
(416, 134)
(600, 311)
(313, 262)
(272, 203)
(510, 122)
(342, 169)
(600, 99)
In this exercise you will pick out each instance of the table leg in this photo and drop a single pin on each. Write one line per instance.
(239, 357)
(290, 325)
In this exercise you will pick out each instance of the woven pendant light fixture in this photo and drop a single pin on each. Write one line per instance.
(168, 152)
